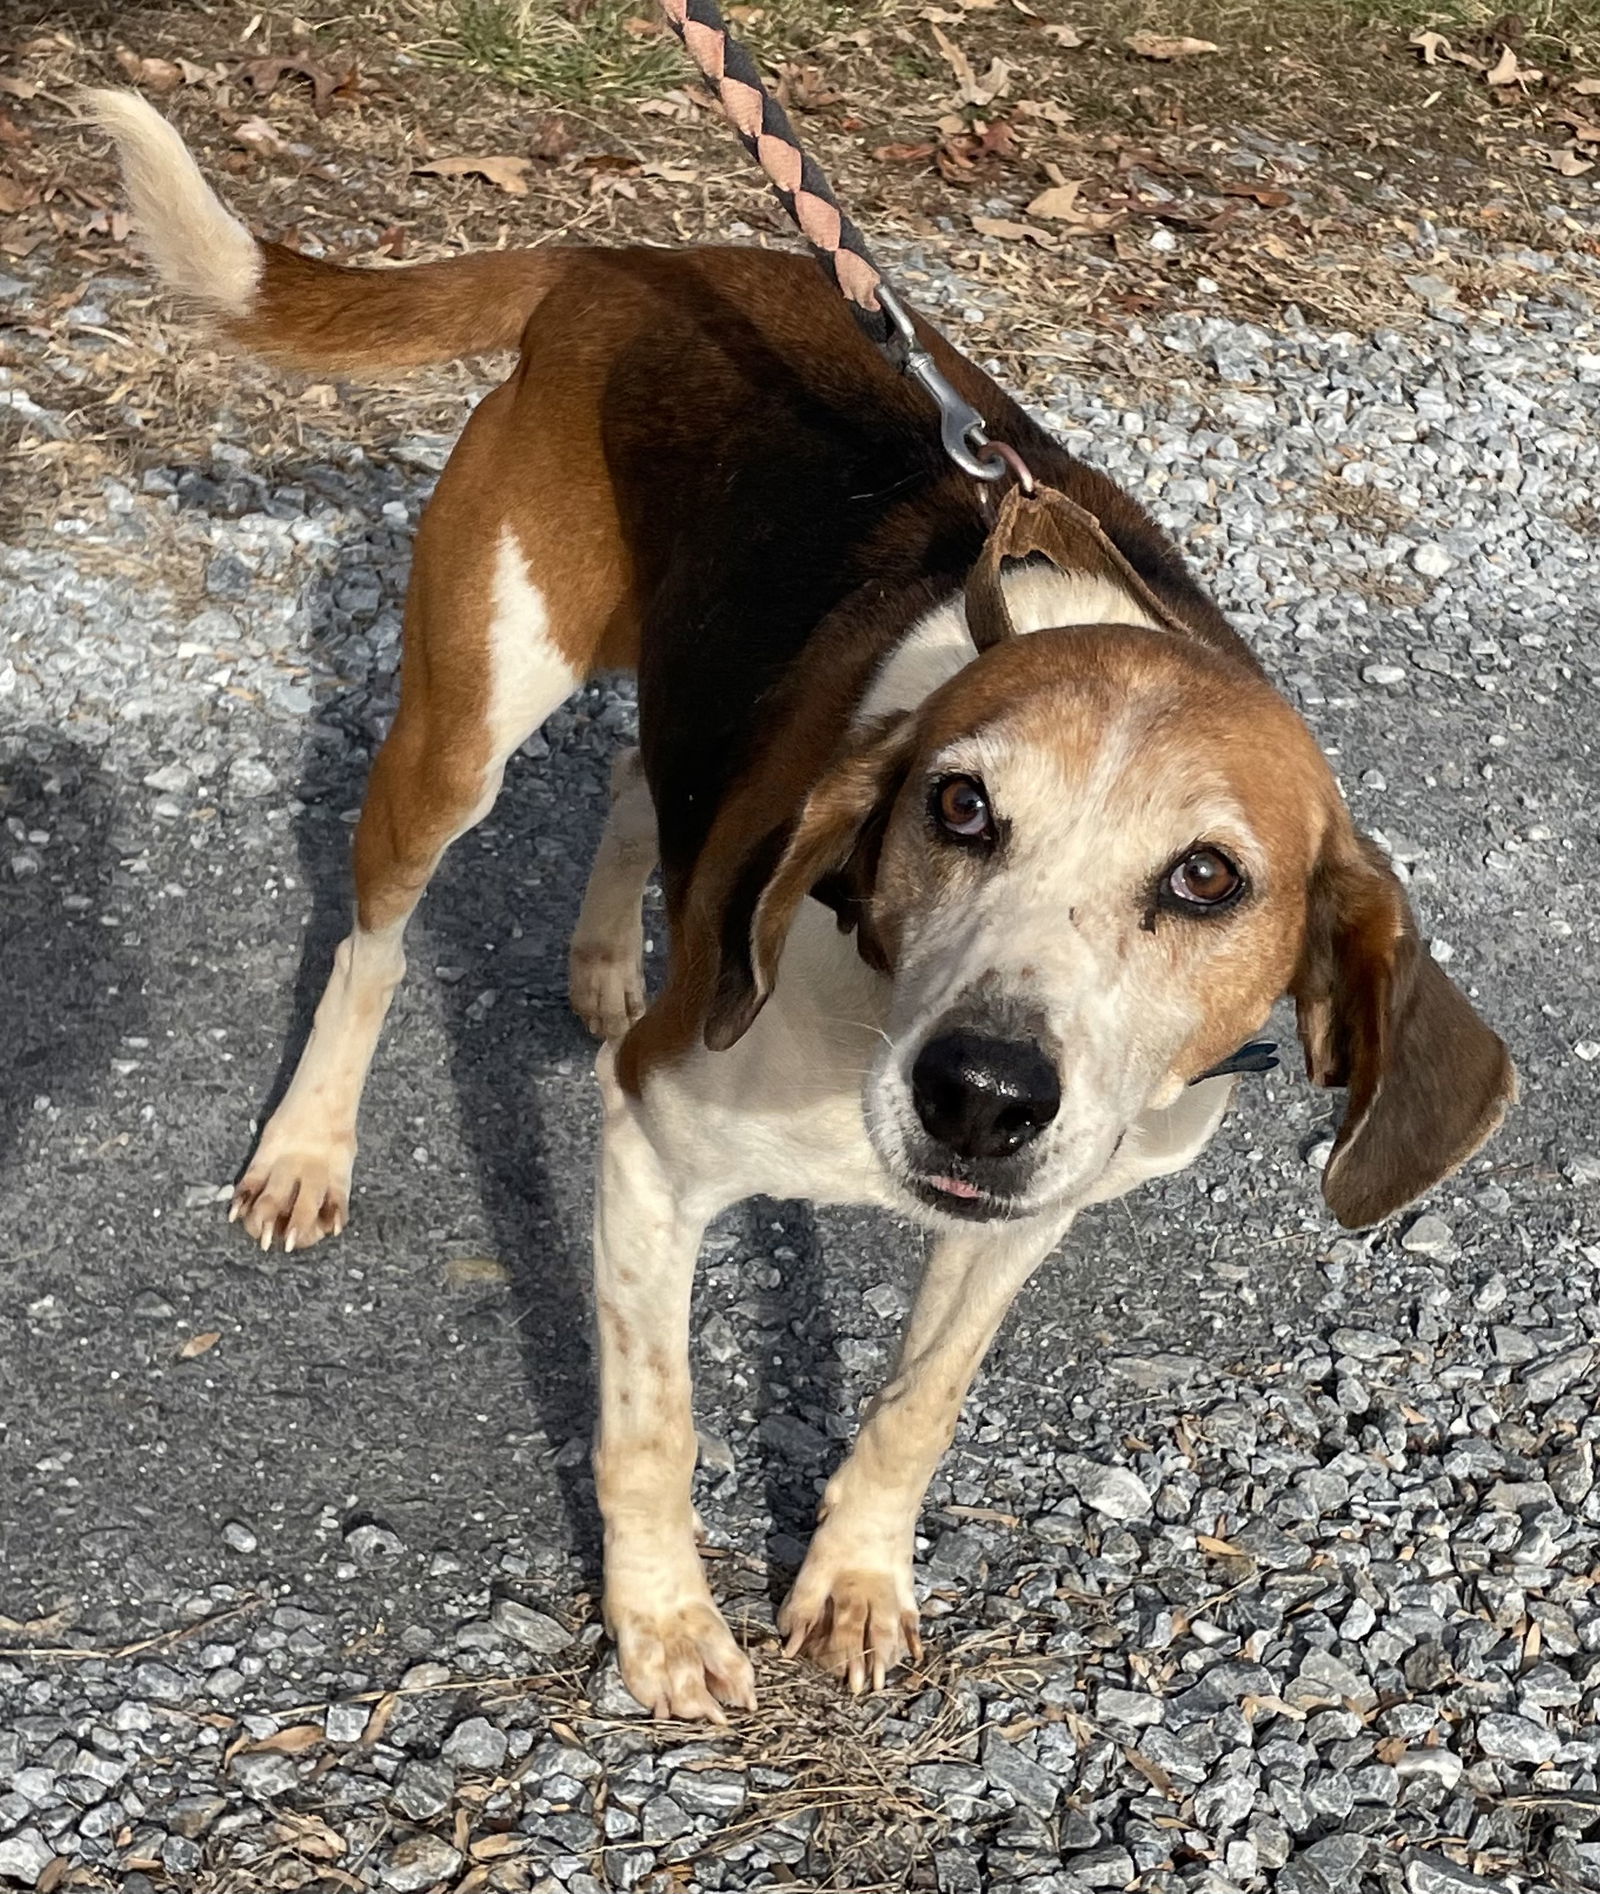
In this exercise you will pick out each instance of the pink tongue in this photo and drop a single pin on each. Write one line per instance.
(953, 1187)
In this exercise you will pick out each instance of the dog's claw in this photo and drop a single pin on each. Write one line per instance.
(681, 1661)
(295, 1192)
(857, 1621)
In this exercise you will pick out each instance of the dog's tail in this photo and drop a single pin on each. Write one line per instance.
(296, 310)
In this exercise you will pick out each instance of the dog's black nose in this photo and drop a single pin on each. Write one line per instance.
(983, 1097)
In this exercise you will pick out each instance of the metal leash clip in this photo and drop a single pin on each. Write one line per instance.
(961, 428)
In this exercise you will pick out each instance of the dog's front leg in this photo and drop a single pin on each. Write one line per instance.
(675, 1652)
(853, 1608)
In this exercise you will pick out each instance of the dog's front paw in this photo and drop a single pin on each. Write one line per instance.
(605, 983)
(680, 1660)
(853, 1615)
(295, 1193)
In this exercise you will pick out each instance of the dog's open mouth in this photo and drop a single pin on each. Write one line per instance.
(956, 1197)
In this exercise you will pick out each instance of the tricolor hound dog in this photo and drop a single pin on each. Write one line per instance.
(973, 865)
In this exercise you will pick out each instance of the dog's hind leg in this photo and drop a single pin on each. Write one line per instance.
(606, 975)
(481, 672)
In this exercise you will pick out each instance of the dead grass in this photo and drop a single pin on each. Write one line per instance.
(1369, 510)
(848, 1791)
(1351, 143)
(627, 147)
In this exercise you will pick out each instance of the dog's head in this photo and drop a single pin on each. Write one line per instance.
(1090, 863)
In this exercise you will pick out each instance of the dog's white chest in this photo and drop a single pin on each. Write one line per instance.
(780, 1114)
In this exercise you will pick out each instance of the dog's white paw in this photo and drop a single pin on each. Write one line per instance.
(606, 985)
(680, 1660)
(855, 1617)
(296, 1191)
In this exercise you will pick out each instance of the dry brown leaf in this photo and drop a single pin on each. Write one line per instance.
(1568, 164)
(682, 106)
(551, 137)
(1260, 194)
(266, 74)
(378, 1722)
(50, 1627)
(308, 1835)
(1509, 70)
(510, 174)
(154, 75)
(200, 1344)
(1152, 1772)
(1587, 88)
(1167, 46)
(1047, 109)
(1060, 202)
(20, 88)
(255, 134)
(970, 89)
(113, 224)
(1065, 36)
(1011, 231)
(638, 28)
(471, 1272)
(1219, 1548)
(806, 89)
(1582, 129)
(11, 133)
(293, 1741)
(902, 154)
(497, 1847)
(961, 151)
(1434, 46)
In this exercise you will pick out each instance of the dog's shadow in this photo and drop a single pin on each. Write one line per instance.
(499, 915)
(73, 990)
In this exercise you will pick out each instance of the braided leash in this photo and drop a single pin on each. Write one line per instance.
(805, 194)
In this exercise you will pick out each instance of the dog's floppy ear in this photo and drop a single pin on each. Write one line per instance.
(834, 842)
(1428, 1081)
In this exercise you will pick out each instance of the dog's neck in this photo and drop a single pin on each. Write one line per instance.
(938, 644)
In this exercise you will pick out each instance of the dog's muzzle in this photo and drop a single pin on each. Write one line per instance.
(981, 1100)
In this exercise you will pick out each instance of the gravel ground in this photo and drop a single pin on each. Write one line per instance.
(1265, 1555)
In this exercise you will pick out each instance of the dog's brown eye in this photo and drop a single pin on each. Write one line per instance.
(962, 809)
(1205, 878)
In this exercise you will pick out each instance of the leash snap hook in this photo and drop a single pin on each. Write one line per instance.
(961, 429)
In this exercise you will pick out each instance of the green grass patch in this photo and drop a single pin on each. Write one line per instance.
(540, 47)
